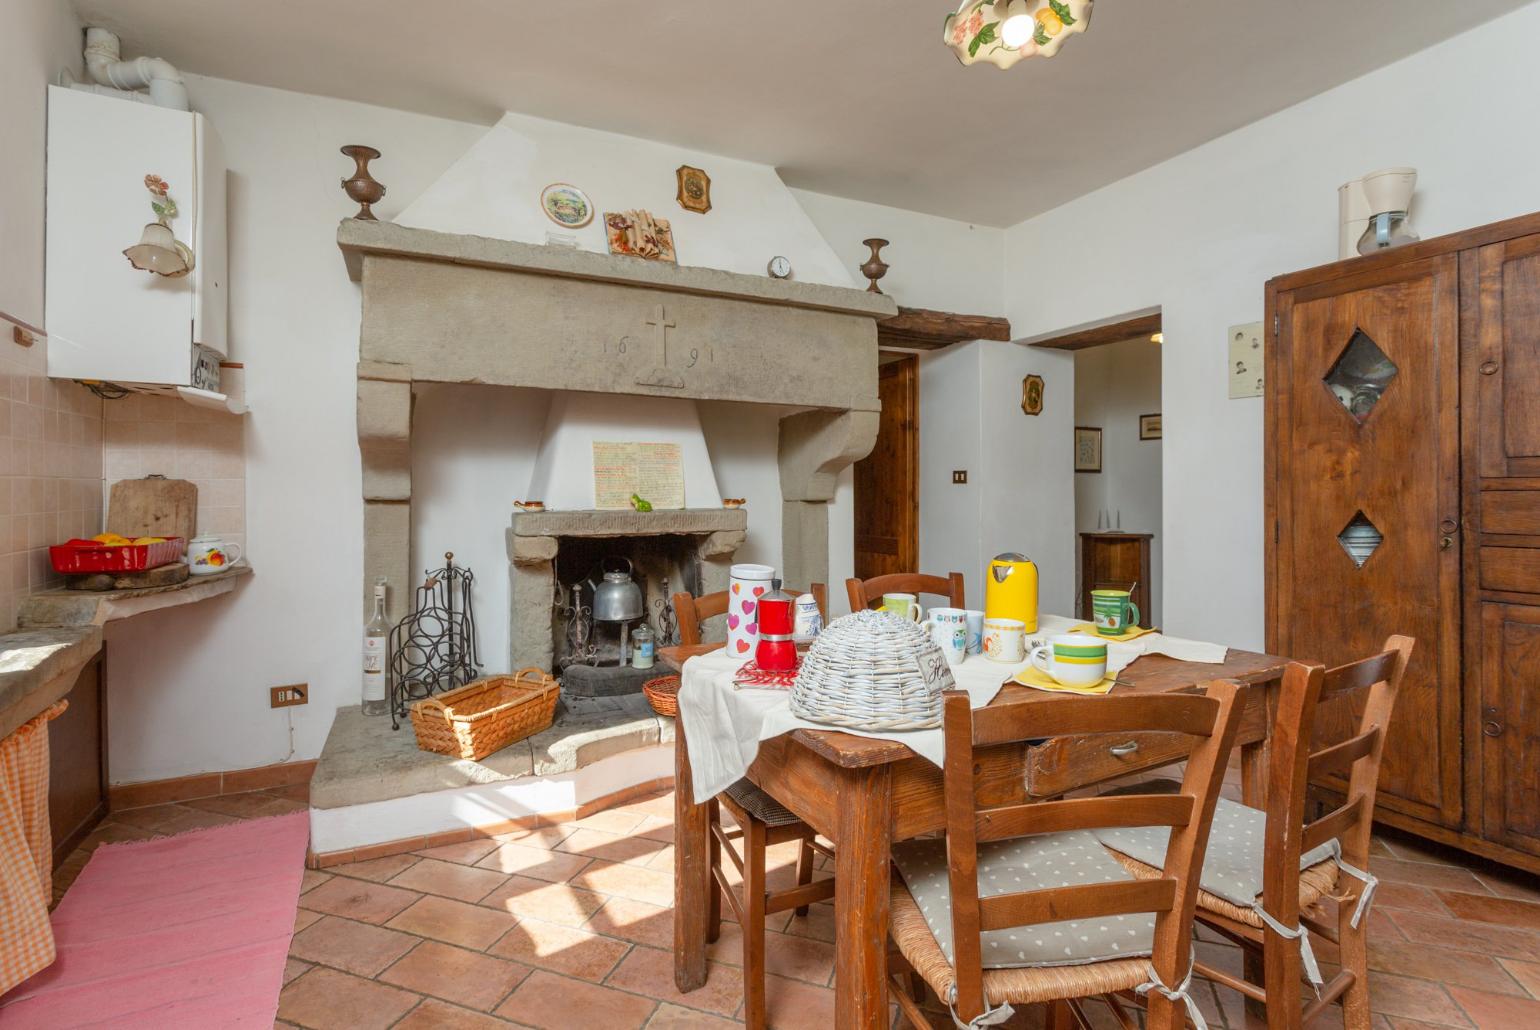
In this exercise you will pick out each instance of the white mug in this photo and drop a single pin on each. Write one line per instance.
(207, 554)
(1073, 659)
(948, 627)
(1005, 640)
(975, 632)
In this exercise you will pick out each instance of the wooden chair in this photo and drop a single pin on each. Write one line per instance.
(693, 611)
(1058, 870)
(762, 823)
(868, 594)
(1248, 849)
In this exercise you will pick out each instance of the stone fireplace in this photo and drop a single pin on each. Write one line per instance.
(450, 308)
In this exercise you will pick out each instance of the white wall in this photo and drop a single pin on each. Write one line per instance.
(1114, 385)
(494, 190)
(1199, 235)
(189, 685)
(38, 40)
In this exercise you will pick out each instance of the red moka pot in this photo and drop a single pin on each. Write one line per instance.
(775, 652)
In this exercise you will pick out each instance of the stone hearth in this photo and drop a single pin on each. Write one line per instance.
(439, 307)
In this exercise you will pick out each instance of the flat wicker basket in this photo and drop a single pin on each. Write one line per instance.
(663, 694)
(486, 715)
(873, 671)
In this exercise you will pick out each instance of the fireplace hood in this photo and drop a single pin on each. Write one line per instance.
(449, 308)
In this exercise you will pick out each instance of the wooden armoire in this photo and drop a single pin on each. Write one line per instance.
(1403, 496)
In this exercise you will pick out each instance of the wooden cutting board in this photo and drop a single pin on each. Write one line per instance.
(153, 507)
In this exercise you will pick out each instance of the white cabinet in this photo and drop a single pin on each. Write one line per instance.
(107, 320)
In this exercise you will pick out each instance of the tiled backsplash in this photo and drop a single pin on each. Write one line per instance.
(50, 470)
(147, 435)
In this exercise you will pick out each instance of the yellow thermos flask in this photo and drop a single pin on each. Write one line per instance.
(1010, 590)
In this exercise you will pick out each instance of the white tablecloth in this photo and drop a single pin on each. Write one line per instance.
(724, 724)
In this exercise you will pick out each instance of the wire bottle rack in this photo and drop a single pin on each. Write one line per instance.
(433, 649)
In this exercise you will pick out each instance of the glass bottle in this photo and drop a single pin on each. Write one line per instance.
(643, 647)
(374, 655)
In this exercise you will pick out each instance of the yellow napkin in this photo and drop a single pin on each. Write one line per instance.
(1132, 634)
(1030, 677)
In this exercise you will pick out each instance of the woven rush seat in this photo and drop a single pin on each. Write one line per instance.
(760, 805)
(1232, 868)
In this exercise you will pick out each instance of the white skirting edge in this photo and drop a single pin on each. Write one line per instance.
(356, 826)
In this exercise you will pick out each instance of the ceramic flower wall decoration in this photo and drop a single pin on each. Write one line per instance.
(1003, 32)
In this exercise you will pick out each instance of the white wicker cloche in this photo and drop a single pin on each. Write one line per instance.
(872, 670)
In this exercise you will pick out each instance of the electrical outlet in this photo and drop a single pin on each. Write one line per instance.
(288, 696)
(960, 477)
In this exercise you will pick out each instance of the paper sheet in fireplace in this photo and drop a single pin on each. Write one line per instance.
(654, 471)
(724, 724)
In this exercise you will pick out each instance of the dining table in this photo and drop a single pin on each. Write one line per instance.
(863, 794)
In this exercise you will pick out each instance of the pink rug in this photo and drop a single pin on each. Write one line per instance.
(185, 931)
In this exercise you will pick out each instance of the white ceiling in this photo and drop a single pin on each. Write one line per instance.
(854, 99)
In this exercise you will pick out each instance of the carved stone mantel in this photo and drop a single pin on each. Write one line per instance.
(440, 307)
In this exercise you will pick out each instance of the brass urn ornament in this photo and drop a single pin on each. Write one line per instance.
(362, 187)
(875, 268)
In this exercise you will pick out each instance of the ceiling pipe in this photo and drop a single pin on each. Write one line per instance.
(105, 64)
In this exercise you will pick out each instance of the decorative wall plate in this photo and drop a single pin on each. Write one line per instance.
(566, 205)
(694, 189)
(1032, 395)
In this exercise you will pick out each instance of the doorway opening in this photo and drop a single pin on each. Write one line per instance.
(887, 481)
(1118, 429)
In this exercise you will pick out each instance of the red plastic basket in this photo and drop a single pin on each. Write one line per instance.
(73, 559)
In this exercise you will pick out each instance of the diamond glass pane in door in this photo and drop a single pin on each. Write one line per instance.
(1360, 376)
(1359, 538)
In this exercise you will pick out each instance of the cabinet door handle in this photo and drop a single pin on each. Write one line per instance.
(1124, 749)
(1492, 728)
(1448, 526)
(1489, 368)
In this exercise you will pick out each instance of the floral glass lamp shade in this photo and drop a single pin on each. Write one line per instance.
(1003, 32)
(158, 249)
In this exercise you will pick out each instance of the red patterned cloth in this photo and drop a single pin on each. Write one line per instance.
(755, 678)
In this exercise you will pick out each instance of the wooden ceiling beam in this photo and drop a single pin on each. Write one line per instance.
(923, 329)
(1115, 332)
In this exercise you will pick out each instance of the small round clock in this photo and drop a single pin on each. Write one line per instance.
(779, 268)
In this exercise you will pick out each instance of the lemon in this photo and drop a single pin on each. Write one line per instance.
(1050, 22)
(150, 540)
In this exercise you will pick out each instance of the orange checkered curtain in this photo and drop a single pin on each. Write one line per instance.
(26, 852)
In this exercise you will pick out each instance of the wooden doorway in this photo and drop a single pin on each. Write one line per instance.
(887, 481)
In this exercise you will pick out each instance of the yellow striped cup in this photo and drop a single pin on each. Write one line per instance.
(1074, 659)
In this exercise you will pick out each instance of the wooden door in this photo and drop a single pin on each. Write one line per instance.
(887, 510)
(77, 761)
(1507, 357)
(1345, 454)
(1510, 725)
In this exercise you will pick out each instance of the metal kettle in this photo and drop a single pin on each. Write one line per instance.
(617, 598)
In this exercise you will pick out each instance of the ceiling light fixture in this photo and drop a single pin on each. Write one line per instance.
(1002, 32)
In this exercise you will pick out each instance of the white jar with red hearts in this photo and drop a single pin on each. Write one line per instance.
(745, 586)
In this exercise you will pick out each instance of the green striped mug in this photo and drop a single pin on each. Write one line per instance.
(1074, 659)
(1114, 612)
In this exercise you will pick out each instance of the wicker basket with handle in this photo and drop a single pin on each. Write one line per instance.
(486, 715)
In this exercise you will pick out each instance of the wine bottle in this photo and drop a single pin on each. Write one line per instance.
(374, 655)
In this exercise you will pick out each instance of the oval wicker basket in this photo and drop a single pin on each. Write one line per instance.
(486, 715)
(663, 694)
(873, 671)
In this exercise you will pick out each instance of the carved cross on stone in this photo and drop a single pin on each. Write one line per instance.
(660, 319)
(661, 376)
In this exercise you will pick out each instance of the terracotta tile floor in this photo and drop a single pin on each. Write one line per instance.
(571, 927)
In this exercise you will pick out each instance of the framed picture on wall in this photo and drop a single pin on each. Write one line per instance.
(1088, 449)
(1149, 427)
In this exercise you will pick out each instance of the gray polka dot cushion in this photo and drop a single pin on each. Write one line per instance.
(1232, 869)
(1026, 864)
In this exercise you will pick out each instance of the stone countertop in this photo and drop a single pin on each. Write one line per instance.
(80, 608)
(39, 666)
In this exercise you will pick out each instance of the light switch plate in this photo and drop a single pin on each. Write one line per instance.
(960, 476)
(288, 696)
(1246, 360)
